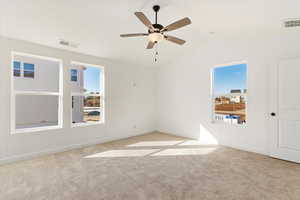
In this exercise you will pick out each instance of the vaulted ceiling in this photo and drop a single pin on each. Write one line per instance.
(96, 24)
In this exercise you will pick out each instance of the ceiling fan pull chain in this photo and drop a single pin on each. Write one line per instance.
(156, 54)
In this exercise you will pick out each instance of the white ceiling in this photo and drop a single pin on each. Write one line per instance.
(96, 24)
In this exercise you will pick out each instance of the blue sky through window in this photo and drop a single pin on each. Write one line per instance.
(229, 77)
(92, 79)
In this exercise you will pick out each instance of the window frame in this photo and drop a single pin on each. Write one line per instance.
(101, 95)
(14, 94)
(213, 96)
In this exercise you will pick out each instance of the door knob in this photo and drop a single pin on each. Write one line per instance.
(273, 114)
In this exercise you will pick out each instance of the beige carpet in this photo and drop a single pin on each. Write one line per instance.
(154, 166)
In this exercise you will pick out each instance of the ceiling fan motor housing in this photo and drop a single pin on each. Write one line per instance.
(157, 28)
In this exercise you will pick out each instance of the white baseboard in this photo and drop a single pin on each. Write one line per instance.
(242, 148)
(28, 156)
(22, 157)
(176, 134)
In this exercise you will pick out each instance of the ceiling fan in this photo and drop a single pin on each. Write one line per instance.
(156, 32)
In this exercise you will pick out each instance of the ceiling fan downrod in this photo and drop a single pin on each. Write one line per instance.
(156, 8)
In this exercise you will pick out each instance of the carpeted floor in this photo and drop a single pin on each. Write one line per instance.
(154, 166)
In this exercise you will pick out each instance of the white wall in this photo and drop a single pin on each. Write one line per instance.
(184, 92)
(176, 97)
(126, 105)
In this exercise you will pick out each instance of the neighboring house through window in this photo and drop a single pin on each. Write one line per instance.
(37, 104)
(88, 96)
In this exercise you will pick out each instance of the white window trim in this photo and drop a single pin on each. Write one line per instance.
(14, 93)
(101, 94)
(213, 121)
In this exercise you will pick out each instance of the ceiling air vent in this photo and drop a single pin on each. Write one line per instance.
(68, 44)
(289, 23)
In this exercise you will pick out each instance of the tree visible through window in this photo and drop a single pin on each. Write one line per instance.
(230, 93)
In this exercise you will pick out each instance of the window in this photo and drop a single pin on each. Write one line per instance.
(25, 70)
(28, 70)
(88, 96)
(17, 69)
(230, 93)
(36, 104)
(74, 75)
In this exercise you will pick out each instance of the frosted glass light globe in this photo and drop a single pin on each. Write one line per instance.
(155, 37)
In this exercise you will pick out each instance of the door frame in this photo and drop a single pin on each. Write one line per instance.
(273, 107)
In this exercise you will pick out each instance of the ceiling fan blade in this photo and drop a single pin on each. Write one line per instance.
(150, 45)
(133, 35)
(178, 24)
(174, 39)
(144, 19)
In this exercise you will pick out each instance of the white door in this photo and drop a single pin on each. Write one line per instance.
(285, 110)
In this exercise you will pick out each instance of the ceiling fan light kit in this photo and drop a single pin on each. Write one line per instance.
(156, 31)
(155, 37)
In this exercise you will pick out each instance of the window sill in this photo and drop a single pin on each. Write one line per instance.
(32, 130)
(86, 124)
(229, 125)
